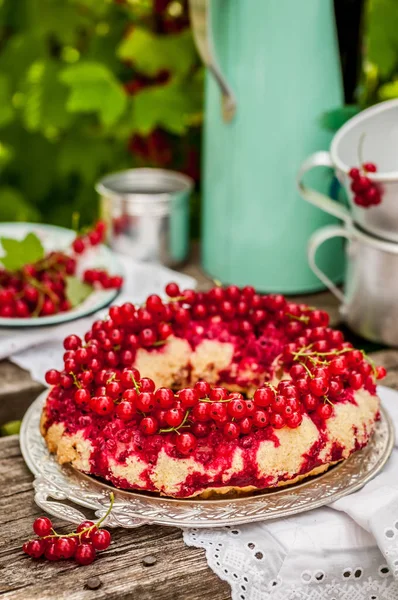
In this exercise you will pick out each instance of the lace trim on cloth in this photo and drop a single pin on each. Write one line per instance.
(258, 567)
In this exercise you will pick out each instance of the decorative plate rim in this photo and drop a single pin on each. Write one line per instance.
(54, 483)
(103, 297)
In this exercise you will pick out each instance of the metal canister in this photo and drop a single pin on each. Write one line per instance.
(147, 213)
(369, 302)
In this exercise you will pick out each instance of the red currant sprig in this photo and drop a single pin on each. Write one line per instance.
(82, 544)
(366, 192)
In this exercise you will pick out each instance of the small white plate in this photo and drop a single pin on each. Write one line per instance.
(59, 238)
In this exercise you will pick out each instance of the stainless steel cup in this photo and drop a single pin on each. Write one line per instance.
(147, 213)
(369, 303)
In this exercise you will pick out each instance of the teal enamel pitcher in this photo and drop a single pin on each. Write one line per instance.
(273, 70)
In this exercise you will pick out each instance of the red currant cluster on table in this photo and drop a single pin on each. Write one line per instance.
(82, 544)
(319, 368)
(366, 192)
(41, 289)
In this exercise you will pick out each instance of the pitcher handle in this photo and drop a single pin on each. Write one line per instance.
(202, 32)
(316, 240)
(325, 203)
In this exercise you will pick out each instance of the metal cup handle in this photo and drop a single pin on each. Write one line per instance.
(325, 203)
(316, 240)
(203, 36)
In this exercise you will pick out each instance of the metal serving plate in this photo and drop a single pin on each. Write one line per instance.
(55, 483)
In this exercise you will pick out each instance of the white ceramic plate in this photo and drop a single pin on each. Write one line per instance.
(59, 238)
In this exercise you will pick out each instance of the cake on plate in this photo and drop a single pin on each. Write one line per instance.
(210, 393)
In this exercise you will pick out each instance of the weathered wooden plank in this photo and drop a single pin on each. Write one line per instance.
(180, 573)
(17, 391)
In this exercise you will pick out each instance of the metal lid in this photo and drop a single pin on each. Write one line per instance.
(144, 185)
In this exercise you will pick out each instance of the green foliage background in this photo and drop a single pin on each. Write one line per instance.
(380, 52)
(87, 87)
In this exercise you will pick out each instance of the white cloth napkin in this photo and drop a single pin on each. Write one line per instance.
(39, 349)
(347, 551)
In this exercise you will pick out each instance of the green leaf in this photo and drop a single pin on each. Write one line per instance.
(77, 291)
(21, 252)
(94, 89)
(334, 119)
(388, 91)
(6, 108)
(152, 53)
(381, 39)
(169, 106)
(10, 428)
(15, 207)
(44, 102)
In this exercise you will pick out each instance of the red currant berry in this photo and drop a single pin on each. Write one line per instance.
(42, 526)
(246, 425)
(381, 372)
(260, 419)
(354, 358)
(50, 552)
(203, 388)
(319, 386)
(355, 380)
(338, 365)
(324, 411)
(277, 421)
(354, 173)
(199, 311)
(200, 430)
(218, 393)
(218, 412)
(65, 547)
(85, 554)
(149, 426)
(78, 245)
(102, 405)
(146, 384)
(231, 430)
(35, 548)
(310, 402)
(264, 396)
(164, 330)
(101, 539)
(164, 397)
(52, 377)
(188, 397)
(82, 396)
(174, 417)
(125, 410)
(369, 167)
(147, 337)
(182, 316)
(201, 412)
(72, 342)
(294, 420)
(145, 402)
(172, 290)
(186, 443)
(237, 409)
(250, 407)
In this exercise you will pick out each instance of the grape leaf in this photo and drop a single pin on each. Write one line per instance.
(93, 88)
(76, 290)
(21, 252)
(169, 106)
(44, 99)
(152, 53)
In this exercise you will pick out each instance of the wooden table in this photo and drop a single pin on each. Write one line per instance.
(180, 573)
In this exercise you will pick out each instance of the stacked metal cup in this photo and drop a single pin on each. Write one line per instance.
(369, 302)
